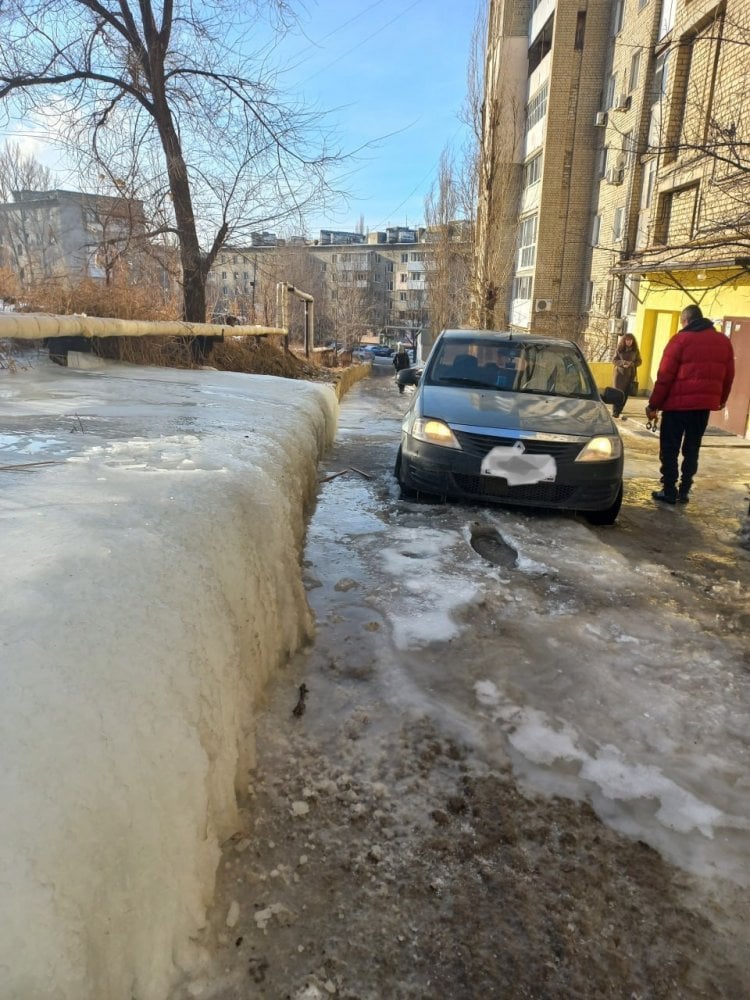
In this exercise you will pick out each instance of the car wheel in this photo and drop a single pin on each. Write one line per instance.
(406, 492)
(608, 516)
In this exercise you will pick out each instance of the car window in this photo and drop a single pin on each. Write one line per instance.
(511, 366)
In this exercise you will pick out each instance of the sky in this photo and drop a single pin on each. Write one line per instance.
(393, 74)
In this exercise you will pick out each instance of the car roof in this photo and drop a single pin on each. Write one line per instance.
(502, 336)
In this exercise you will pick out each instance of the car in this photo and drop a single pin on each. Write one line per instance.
(511, 419)
(363, 352)
(381, 351)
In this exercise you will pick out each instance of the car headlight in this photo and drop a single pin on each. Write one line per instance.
(601, 449)
(434, 432)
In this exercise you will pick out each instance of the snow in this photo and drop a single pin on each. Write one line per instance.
(419, 565)
(153, 582)
(638, 709)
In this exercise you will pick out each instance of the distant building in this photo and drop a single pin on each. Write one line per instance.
(69, 235)
(333, 237)
(377, 288)
(263, 239)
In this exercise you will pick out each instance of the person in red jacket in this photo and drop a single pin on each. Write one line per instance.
(695, 376)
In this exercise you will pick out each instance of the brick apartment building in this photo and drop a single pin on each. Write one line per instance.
(614, 179)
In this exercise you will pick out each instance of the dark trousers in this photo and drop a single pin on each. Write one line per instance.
(680, 429)
(617, 410)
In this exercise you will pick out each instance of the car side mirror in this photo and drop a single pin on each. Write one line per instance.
(613, 397)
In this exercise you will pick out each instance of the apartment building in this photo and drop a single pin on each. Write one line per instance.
(692, 237)
(365, 285)
(544, 71)
(614, 180)
(69, 235)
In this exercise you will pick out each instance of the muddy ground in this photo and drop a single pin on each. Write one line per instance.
(386, 853)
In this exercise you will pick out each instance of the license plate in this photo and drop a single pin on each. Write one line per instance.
(518, 467)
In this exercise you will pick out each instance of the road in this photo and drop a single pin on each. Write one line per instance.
(520, 769)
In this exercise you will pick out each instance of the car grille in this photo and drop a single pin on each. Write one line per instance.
(543, 494)
(478, 445)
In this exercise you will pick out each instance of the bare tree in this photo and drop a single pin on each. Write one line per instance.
(23, 236)
(173, 82)
(449, 263)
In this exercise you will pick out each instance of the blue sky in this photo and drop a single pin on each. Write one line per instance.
(393, 74)
(394, 71)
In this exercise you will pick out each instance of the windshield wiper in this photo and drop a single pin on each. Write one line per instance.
(457, 380)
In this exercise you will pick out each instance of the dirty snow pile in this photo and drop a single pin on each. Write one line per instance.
(152, 526)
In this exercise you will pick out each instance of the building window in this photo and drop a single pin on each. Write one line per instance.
(522, 287)
(403, 277)
(628, 150)
(596, 229)
(635, 69)
(402, 296)
(223, 275)
(649, 178)
(580, 30)
(532, 171)
(404, 258)
(536, 109)
(601, 164)
(661, 75)
(630, 295)
(617, 225)
(666, 22)
(541, 45)
(417, 257)
(527, 242)
(617, 16)
(610, 91)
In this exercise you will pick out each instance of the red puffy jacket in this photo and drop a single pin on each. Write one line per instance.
(696, 370)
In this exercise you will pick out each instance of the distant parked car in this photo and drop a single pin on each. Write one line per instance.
(511, 419)
(381, 351)
(363, 352)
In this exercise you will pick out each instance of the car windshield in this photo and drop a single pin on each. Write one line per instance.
(511, 366)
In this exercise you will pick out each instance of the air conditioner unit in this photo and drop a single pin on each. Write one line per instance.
(542, 305)
(621, 102)
(601, 118)
(617, 325)
(614, 176)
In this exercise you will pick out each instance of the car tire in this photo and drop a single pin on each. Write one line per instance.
(406, 492)
(608, 516)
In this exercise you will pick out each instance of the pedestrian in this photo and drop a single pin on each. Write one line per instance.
(626, 361)
(695, 376)
(401, 361)
(401, 358)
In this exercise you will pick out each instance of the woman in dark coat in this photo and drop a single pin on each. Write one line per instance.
(626, 361)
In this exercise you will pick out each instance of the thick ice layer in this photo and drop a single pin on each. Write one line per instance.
(151, 582)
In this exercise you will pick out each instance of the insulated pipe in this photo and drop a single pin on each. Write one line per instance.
(36, 326)
(283, 291)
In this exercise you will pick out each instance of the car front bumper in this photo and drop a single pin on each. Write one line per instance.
(453, 474)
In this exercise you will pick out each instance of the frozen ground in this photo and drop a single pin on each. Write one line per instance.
(152, 523)
(517, 776)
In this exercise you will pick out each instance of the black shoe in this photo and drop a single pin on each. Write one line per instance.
(664, 497)
(683, 498)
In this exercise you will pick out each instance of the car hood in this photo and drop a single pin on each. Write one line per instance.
(513, 411)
